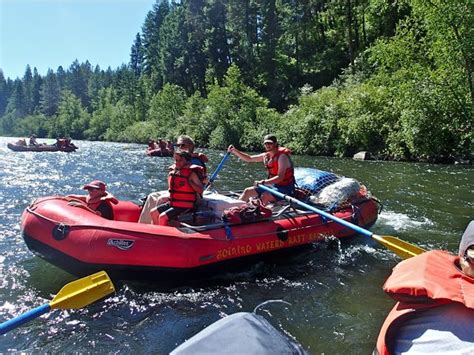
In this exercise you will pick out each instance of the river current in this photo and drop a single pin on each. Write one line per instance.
(335, 293)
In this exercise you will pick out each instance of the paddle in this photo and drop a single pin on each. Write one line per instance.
(74, 295)
(218, 169)
(403, 249)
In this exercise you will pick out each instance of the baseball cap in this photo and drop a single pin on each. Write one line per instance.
(270, 138)
(467, 240)
(96, 184)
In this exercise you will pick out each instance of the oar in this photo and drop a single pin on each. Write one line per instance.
(218, 169)
(74, 295)
(403, 249)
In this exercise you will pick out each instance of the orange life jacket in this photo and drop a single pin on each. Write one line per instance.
(182, 193)
(429, 280)
(202, 174)
(271, 164)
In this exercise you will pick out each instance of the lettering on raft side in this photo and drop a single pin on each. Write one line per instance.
(241, 250)
(238, 250)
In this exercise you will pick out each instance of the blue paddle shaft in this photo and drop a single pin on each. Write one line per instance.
(219, 168)
(316, 210)
(24, 318)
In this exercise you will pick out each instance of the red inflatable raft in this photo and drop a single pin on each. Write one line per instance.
(81, 242)
(40, 148)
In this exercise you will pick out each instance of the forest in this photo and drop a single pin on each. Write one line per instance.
(328, 77)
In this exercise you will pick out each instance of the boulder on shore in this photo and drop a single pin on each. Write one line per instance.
(364, 155)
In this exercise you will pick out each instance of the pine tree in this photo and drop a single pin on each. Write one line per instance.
(195, 60)
(96, 83)
(17, 101)
(78, 81)
(62, 78)
(28, 91)
(137, 56)
(3, 93)
(172, 50)
(50, 94)
(217, 41)
(36, 94)
(152, 41)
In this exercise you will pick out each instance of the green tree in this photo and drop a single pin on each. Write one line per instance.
(36, 90)
(28, 91)
(78, 81)
(152, 42)
(72, 119)
(4, 94)
(217, 47)
(165, 109)
(17, 102)
(137, 56)
(50, 94)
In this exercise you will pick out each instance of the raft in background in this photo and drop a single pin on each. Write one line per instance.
(159, 153)
(72, 237)
(39, 148)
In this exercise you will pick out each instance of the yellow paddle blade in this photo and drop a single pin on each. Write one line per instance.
(82, 292)
(403, 249)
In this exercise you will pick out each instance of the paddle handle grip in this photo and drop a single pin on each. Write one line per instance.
(218, 169)
(24, 318)
(317, 210)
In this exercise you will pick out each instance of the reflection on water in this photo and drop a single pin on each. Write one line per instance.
(337, 304)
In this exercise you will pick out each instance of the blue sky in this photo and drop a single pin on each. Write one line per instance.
(49, 33)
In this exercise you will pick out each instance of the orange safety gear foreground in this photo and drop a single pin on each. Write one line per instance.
(271, 164)
(182, 193)
(429, 280)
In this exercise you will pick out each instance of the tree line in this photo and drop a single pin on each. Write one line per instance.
(329, 77)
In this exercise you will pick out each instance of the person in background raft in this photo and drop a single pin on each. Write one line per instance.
(69, 143)
(33, 140)
(60, 142)
(170, 147)
(279, 166)
(184, 186)
(21, 141)
(434, 313)
(98, 199)
(154, 199)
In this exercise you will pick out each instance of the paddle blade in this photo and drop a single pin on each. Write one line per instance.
(82, 292)
(403, 249)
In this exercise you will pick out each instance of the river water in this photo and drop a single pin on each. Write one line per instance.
(335, 294)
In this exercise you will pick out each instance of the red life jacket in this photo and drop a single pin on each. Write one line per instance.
(271, 164)
(182, 193)
(429, 280)
(95, 203)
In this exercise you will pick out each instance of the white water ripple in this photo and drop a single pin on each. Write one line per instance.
(403, 222)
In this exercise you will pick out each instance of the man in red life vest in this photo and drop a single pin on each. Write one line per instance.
(279, 166)
(185, 187)
(98, 199)
(435, 309)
